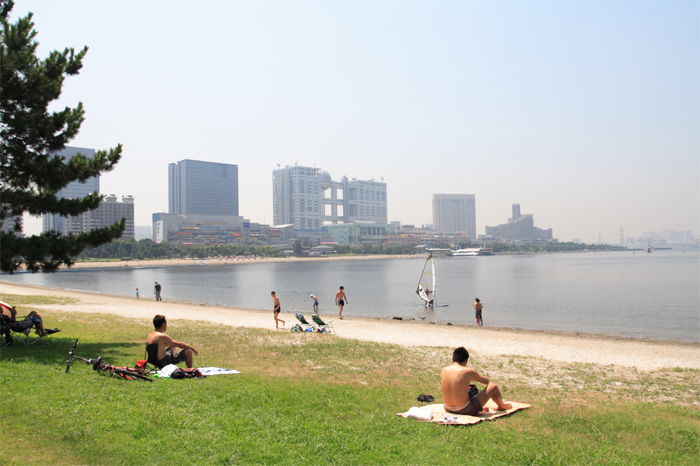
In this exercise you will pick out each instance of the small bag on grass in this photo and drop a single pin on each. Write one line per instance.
(189, 373)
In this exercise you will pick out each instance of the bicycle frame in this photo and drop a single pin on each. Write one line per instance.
(100, 366)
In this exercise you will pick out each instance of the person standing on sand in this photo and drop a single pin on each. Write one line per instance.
(455, 380)
(156, 290)
(478, 307)
(276, 310)
(341, 300)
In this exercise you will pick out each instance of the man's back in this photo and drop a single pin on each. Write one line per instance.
(454, 381)
(161, 340)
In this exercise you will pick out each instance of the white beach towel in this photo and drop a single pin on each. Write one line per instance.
(420, 414)
(217, 371)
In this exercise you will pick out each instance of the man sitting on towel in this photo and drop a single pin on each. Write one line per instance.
(455, 380)
(159, 346)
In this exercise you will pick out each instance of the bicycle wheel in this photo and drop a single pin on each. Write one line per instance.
(132, 375)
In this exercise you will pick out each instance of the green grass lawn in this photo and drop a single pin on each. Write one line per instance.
(317, 399)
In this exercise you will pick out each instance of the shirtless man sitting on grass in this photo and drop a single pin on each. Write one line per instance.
(455, 380)
(159, 346)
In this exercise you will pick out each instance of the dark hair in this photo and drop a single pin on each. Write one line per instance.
(272, 292)
(158, 321)
(477, 300)
(460, 355)
(342, 287)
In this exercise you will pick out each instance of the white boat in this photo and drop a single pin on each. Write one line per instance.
(472, 252)
(426, 284)
(464, 253)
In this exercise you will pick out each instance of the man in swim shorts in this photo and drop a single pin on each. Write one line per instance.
(455, 380)
(315, 302)
(159, 346)
(478, 307)
(276, 310)
(340, 300)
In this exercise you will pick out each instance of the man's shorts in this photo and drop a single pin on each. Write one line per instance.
(472, 408)
(171, 358)
(28, 322)
(341, 302)
(478, 314)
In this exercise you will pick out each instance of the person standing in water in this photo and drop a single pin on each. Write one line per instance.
(315, 303)
(478, 307)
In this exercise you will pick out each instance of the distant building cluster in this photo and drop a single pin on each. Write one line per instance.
(109, 212)
(663, 238)
(308, 206)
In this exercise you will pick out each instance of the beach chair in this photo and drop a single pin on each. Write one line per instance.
(304, 323)
(323, 327)
(149, 363)
(11, 333)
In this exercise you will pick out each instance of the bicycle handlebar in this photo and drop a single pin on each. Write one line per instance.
(70, 355)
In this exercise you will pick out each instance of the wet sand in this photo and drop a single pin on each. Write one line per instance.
(645, 355)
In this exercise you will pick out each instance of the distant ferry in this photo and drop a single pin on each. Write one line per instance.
(472, 252)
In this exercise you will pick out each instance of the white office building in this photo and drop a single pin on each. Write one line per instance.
(308, 198)
(109, 212)
(455, 213)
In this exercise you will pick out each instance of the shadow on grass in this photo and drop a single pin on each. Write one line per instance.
(116, 353)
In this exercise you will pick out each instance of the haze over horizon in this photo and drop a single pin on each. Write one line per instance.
(585, 113)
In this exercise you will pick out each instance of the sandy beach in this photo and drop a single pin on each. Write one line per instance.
(644, 355)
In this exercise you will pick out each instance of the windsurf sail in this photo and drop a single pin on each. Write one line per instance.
(426, 283)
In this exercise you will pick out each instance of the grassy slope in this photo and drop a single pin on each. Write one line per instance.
(316, 399)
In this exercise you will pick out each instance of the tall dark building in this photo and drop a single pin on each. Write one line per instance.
(202, 188)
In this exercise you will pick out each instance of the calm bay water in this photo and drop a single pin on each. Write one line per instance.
(618, 293)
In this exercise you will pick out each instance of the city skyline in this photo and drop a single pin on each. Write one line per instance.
(585, 112)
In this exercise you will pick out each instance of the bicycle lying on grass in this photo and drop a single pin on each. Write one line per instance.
(100, 366)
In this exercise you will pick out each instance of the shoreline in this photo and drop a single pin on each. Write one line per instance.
(571, 347)
(169, 263)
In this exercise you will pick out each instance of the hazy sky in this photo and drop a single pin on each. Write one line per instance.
(587, 113)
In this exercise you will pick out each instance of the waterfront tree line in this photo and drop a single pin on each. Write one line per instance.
(130, 249)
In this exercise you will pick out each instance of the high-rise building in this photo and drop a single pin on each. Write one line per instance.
(74, 190)
(455, 213)
(297, 197)
(202, 188)
(308, 198)
(366, 201)
(8, 226)
(109, 212)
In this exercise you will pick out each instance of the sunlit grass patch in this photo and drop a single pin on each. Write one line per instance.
(320, 399)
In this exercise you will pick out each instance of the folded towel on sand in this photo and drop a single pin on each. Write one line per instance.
(440, 416)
